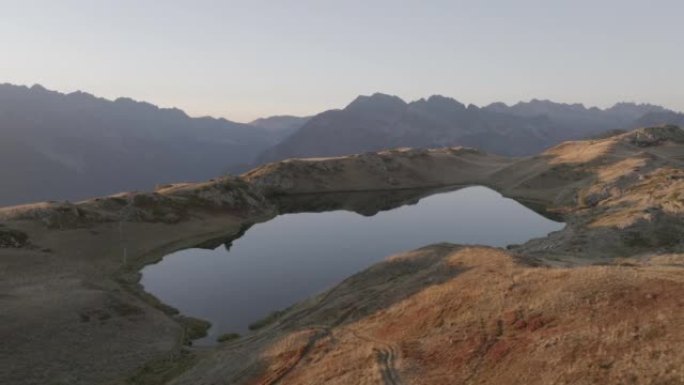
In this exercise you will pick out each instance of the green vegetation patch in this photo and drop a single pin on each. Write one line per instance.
(228, 337)
(194, 328)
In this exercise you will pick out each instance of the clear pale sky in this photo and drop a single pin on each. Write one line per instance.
(251, 58)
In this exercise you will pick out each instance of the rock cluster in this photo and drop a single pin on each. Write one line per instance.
(652, 136)
(10, 238)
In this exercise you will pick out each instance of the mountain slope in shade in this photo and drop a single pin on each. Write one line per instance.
(281, 122)
(281, 125)
(599, 300)
(576, 120)
(660, 118)
(73, 146)
(380, 121)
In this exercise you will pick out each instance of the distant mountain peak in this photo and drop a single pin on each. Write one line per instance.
(635, 104)
(546, 103)
(38, 87)
(635, 110)
(445, 102)
(282, 124)
(378, 101)
(497, 105)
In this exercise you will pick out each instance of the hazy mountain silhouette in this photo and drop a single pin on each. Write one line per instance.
(659, 119)
(72, 146)
(576, 120)
(380, 121)
(281, 126)
(59, 146)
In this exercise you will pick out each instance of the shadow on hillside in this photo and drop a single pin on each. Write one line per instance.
(372, 290)
(366, 203)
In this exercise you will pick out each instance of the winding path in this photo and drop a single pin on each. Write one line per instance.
(385, 355)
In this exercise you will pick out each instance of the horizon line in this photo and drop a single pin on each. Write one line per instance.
(376, 93)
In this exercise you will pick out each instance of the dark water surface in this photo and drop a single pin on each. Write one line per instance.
(293, 256)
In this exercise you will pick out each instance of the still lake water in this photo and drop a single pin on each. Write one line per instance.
(294, 256)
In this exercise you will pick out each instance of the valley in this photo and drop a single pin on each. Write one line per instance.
(73, 146)
(598, 301)
(298, 255)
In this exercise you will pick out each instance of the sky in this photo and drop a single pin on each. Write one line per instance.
(247, 59)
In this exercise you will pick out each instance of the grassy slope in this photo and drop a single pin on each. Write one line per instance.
(447, 314)
(439, 313)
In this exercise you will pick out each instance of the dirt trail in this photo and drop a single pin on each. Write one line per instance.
(386, 354)
(278, 375)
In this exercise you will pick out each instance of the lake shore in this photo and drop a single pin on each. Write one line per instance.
(73, 312)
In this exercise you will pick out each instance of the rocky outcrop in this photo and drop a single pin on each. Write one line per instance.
(169, 204)
(386, 170)
(653, 136)
(10, 238)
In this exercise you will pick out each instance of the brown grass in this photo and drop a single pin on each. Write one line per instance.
(499, 322)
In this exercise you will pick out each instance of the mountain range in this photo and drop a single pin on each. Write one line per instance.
(73, 146)
(58, 146)
(281, 125)
(380, 121)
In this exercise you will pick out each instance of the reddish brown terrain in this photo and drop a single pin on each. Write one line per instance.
(450, 315)
(601, 301)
